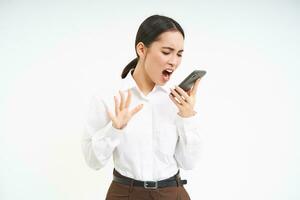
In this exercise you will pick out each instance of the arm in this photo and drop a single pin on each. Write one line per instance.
(188, 147)
(99, 137)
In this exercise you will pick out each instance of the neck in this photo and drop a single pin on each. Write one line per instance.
(142, 80)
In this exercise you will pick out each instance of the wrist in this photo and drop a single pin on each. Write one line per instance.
(187, 114)
(118, 126)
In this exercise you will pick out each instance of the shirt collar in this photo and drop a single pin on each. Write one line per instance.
(128, 83)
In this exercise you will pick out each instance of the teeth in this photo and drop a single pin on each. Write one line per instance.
(169, 70)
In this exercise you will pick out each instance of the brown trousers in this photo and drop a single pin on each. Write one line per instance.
(118, 191)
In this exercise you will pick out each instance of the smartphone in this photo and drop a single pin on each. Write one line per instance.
(189, 81)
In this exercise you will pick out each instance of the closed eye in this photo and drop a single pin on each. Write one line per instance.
(167, 53)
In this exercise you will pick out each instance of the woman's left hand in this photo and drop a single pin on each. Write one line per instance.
(185, 101)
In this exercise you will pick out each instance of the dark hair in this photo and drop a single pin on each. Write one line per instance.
(148, 32)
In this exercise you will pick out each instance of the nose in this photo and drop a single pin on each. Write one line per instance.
(173, 60)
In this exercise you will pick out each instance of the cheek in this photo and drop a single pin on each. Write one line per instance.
(156, 62)
(179, 61)
(159, 58)
(162, 58)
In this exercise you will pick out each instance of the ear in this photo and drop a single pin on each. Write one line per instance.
(141, 50)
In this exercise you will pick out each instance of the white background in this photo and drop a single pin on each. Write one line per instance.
(54, 55)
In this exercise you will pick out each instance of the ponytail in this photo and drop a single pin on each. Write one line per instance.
(129, 66)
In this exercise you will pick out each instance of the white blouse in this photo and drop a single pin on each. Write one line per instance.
(155, 143)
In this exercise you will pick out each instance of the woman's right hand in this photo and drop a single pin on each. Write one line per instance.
(122, 113)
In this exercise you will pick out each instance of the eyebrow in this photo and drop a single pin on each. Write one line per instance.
(170, 48)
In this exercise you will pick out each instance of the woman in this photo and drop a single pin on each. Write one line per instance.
(153, 131)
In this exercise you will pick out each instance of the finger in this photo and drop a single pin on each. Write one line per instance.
(128, 99)
(136, 109)
(177, 97)
(183, 93)
(116, 106)
(122, 103)
(111, 116)
(113, 119)
(189, 92)
(179, 105)
(195, 87)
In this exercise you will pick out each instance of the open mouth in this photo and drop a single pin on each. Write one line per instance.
(167, 73)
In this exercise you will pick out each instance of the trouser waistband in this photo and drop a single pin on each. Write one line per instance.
(172, 181)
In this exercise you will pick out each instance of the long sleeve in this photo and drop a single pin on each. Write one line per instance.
(188, 147)
(99, 138)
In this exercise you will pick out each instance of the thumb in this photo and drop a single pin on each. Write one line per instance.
(136, 109)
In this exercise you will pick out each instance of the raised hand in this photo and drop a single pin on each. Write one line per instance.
(122, 112)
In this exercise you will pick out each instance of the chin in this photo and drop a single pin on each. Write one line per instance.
(160, 83)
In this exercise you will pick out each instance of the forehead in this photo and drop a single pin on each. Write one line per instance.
(172, 39)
